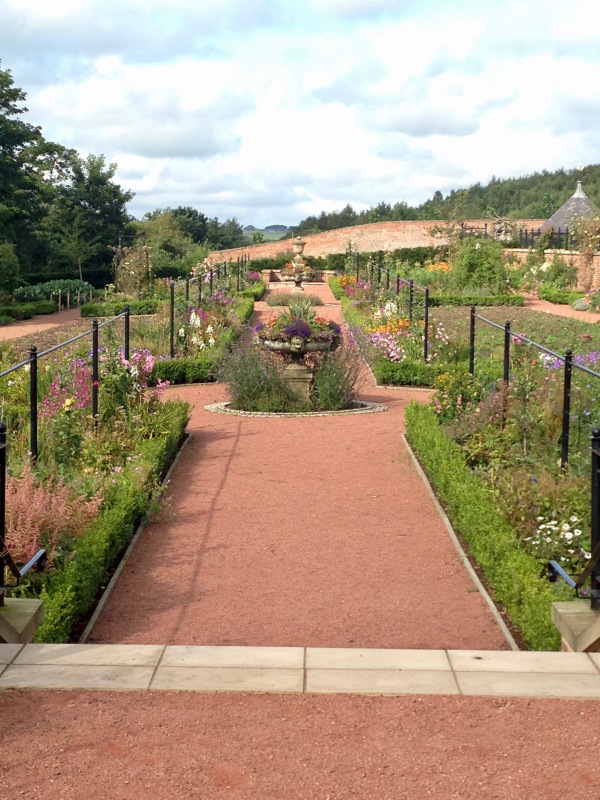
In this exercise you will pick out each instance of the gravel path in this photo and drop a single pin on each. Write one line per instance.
(298, 532)
(128, 746)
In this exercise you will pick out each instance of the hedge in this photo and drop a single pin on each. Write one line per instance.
(72, 593)
(476, 300)
(559, 296)
(136, 307)
(407, 373)
(512, 573)
(20, 311)
(254, 290)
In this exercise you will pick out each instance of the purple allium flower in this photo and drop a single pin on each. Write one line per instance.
(259, 327)
(334, 327)
(298, 327)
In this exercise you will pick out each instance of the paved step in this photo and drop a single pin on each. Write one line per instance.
(300, 670)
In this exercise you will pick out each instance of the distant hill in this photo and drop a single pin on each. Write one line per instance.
(535, 196)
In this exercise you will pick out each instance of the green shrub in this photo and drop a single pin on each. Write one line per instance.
(136, 307)
(283, 299)
(42, 291)
(44, 307)
(561, 296)
(5, 319)
(479, 263)
(200, 369)
(335, 287)
(254, 290)
(70, 594)
(513, 574)
(406, 373)
(515, 300)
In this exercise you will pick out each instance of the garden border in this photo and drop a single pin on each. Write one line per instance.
(363, 407)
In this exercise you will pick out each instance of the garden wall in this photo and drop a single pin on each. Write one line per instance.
(588, 267)
(365, 238)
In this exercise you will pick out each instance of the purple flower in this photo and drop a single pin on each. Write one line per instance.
(259, 327)
(298, 327)
(334, 327)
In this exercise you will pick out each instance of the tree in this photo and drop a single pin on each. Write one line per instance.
(86, 218)
(30, 168)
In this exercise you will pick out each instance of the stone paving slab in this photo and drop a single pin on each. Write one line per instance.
(380, 681)
(110, 655)
(340, 658)
(522, 661)
(300, 670)
(228, 679)
(54, 676)
(227, 656)
(528, 684)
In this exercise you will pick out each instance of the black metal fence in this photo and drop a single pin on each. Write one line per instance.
(567, 359)
(592, 568)
(558, 239)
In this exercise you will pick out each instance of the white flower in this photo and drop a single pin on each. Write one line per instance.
(568, 536)
(210, 329)
(211, 342)
(540, 519)
(566, 527)
(576, 532)
(181, 333)
(573, 519)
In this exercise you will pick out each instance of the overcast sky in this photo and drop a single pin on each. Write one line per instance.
(271, 110)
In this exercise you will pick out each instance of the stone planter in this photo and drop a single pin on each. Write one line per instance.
(296, 373)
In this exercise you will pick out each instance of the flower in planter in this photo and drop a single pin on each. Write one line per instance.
(298, 327)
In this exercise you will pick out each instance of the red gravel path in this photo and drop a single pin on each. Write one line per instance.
(126, 746)
(38, 324)
(298, 532)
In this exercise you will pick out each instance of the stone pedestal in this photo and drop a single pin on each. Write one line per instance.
(19, 618)
(579, 626)
(298, 376)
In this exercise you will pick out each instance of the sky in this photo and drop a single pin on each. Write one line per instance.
(269, 111)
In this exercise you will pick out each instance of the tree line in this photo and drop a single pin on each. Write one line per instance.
(535, 196)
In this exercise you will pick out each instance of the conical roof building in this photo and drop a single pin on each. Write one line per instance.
(579, 205)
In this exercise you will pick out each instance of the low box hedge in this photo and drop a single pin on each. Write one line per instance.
(407, 373)
(477, 300)
(255, 290)
(136, 307)
(559, 296)
(71, 594)
(512, 573)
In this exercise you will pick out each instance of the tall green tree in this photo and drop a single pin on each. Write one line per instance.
(85, 220)
(30, 169)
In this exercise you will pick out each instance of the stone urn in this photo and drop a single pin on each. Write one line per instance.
(298, 245)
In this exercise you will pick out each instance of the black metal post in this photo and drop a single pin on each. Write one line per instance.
(127, 322)
(397, 284)
(187, 288)
(506, 352)
(566, 420)
(387, 279)
(357, 267)
(95, 371)
(411, 297)
(371, 272)
(211, 282)
(2, 504)
(472, 343)
(200, 279)
(172, 331)
(595, 575)
(33, 404)
(426, 329)
(238, 274)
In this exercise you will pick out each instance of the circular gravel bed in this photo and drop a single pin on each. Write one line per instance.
(359, 407)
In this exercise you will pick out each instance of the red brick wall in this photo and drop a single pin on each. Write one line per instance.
(588, 267)
(365, 238)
